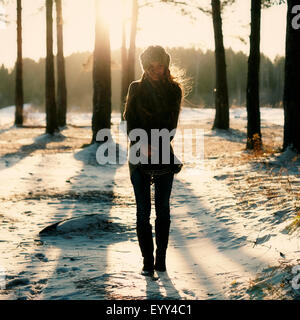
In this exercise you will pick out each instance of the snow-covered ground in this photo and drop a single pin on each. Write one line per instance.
(232, 234)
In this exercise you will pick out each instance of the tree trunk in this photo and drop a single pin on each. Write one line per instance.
(131, 53)
(51, 123)
(101, 76)
(61, 75)
(124, 71)
(253, 125)
(221, 91)
(19, 95)
(291, 99)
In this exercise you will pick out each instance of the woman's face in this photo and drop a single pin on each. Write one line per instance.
(156, 71)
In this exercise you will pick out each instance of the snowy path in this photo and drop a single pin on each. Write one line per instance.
(209, 247)
(211, 255)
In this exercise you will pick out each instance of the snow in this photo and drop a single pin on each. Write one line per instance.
(268, 115)
(230, 233)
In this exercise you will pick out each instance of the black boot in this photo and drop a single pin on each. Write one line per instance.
(162, 237)
(144, 234)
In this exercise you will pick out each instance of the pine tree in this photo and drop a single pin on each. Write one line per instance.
(291, 100)
(51, 123)
(61, 74)
(19, 95)
(221, 91)
(253, 124)
(101, 118)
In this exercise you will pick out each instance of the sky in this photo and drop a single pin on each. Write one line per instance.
(160, 24)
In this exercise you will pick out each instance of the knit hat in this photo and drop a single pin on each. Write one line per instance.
(154, 53)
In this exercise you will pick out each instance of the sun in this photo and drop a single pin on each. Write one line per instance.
(113, 13)
(2, 14)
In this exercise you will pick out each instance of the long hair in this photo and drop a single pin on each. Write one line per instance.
(153, 97)
(176, 76)
(168, 77)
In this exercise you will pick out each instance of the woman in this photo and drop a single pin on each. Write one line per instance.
(153, 102)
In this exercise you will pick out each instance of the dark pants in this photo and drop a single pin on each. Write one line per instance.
(163, 188)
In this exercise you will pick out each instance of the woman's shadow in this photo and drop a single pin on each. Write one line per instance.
(153, 288)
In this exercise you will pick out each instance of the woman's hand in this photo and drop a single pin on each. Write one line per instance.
(146, 150)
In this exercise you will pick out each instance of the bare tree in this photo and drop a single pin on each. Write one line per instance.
(254, 137)
(19, 94)
(291, 100)
(254, 140)
(124, 61)
(221, 92)
(51, 123)
(128, 59)
(131, 52)
(221, 120)
(101, 75)
(61, 74)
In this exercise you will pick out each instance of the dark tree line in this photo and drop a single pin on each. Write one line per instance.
(199, 67)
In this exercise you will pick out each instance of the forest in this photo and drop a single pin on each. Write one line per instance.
(198, 67)
(221, 78)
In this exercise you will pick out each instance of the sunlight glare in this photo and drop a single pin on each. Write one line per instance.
(2, 14)
(113, 12)
(157, 24)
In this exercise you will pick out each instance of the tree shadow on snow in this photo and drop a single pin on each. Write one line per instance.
(40, 143)
(232, 135)
(216, 229)
(68, 262)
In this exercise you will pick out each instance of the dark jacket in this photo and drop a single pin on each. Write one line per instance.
(148, 107)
